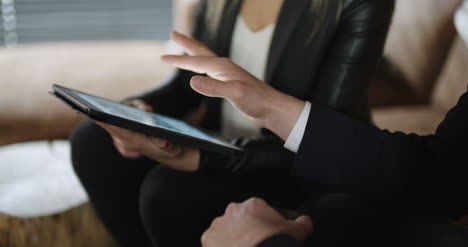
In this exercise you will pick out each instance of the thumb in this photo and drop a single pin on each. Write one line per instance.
(213, 88)
(306, 223)
(300, 228)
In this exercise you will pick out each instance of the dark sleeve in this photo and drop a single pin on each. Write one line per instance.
(353, 54)
(279, 241)
(264, 155)
(176, 98)
(356, 157)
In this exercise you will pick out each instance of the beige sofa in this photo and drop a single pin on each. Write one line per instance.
(424, 81)
(111, 69)
(114, 70)
(429, 59)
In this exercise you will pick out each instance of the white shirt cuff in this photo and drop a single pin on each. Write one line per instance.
(295, 137)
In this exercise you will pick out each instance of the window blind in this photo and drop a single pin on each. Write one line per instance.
(26, 21)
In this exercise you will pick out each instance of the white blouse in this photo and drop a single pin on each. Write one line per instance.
(250, 51)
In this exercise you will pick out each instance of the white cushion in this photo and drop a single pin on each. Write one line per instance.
(37, 179)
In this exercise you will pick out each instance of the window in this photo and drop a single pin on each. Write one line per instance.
(27, 21)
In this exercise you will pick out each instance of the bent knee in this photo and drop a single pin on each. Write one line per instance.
(87, 133)
(159, 183)
(89, 143)
(169, 201)
(165, 188)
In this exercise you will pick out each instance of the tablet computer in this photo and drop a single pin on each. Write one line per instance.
(151, 124)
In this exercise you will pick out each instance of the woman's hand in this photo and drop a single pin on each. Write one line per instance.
(264, 105)
(139, 104)
(133, 145)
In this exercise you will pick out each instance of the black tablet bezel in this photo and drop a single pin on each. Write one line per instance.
(93, 113)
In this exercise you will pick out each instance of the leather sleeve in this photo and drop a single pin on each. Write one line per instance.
(176, 98)
(353, 54)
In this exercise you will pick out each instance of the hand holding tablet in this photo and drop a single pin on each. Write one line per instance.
(133, 145)
(137, 132)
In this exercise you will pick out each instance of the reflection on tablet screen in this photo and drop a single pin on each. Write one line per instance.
(151, 119)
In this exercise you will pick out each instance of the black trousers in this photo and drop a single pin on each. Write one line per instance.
(143, 203)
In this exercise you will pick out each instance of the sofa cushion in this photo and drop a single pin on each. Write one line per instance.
(421, 120)
(389, 87)
(110, 69)
(454, 78)
(420, 36)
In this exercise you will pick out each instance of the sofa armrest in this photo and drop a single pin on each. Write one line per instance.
(114, 70)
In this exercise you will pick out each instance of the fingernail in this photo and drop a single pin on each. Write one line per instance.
(197, 83)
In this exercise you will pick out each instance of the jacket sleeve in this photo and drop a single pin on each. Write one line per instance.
(358, 158)
(176, 98)
(353, 55)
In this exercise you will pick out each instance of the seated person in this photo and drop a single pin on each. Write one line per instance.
(408, 176)
(316, 50)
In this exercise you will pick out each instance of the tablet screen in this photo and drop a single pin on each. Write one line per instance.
(151, 119)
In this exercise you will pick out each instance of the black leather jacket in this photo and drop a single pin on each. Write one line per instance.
(323, 51)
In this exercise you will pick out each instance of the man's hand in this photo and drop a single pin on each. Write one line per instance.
(264, 105)
(249, 223)
(134, 145)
